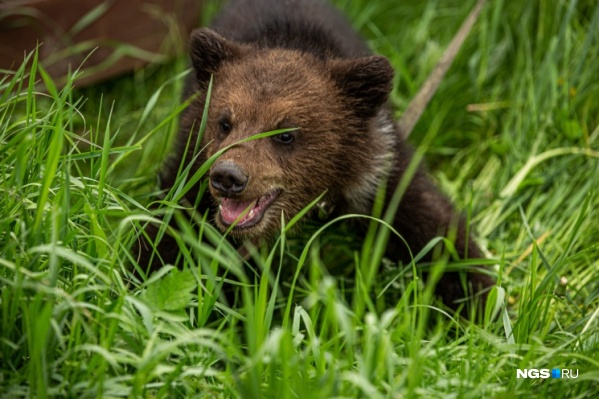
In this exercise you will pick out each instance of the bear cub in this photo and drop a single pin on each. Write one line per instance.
(298, 64)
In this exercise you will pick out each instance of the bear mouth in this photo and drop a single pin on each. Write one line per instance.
(245, 213)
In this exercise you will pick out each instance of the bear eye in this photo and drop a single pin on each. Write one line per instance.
(284, 138)
(225, 125)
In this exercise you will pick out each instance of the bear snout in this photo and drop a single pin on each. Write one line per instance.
(227, 178)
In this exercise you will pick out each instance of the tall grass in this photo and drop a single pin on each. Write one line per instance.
(512, 136)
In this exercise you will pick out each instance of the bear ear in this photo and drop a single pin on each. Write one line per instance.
(209, 50)
(366, 81)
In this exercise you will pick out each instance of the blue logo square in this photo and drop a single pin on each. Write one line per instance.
(556, 373)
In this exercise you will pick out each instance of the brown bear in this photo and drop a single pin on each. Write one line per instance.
(298, 64)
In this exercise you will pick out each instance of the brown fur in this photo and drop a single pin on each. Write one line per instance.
(345, 144)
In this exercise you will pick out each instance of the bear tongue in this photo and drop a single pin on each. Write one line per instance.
(231, 210)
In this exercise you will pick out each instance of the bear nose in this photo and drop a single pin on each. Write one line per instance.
(228, 178)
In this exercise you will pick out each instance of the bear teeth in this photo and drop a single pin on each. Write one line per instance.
(231, 211)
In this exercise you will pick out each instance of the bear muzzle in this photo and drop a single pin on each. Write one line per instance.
(229, 182)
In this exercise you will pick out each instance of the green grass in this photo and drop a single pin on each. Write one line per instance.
(512, 136)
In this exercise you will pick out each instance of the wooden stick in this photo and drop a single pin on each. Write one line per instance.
(414, 111)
